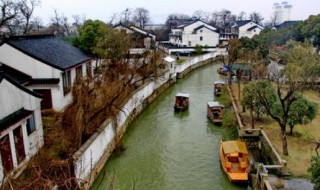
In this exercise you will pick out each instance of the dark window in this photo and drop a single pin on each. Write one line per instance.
(31, 127)
(66, 79)
(201, 38)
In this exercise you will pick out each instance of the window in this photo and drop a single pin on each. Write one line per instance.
(200, 31)
(201, 38)
(66, 80)
(31, 127)
(189, 43)
(79, 72)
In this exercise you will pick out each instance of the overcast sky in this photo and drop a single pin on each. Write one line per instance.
(160, 9)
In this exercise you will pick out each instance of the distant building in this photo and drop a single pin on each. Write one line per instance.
(154, 26)
(285, 24)
(140, 40)
(246, 28)
(281, 12)
(194, 33)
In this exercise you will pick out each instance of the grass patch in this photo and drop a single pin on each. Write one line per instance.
(300, 145)
(180, 61)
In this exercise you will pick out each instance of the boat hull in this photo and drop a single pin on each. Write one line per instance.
(230, 169)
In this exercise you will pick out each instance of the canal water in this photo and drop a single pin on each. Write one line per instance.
(172, 151)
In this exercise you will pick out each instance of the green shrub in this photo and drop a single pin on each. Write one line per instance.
(314, 172)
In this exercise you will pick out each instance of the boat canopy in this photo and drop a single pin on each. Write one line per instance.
(215, 104)
(181, 94)
(234, 146)
(219, 82)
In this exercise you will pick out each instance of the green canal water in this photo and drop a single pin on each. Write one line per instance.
(172, 151)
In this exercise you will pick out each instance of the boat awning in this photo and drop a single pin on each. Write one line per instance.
(169, 59)
(234, 146)
(219, 82)
(181, 94)
(215, 104)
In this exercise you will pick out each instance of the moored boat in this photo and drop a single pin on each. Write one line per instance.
(215, 112)
(234, 160)
(218, 87)
(181, 102)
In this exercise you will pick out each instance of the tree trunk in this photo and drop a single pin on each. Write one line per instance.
(291, 129)
(239, 89)
(284, 141)
(251, 115)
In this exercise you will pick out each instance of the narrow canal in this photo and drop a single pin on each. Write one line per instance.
(172, 151)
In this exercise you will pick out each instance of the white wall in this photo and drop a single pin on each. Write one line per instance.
(210, 38)
(36, 69)
(26, 64)
(11, 100)
(243, 30)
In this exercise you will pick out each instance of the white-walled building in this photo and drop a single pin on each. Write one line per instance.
(21, 132)
(246, 28)
(140, 40)
(194, 33)
(48, 65)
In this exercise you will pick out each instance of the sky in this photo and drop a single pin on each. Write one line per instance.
(160, 9)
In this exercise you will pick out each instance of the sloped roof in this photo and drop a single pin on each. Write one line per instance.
(49, 50)
(182, 94)
(287, 24)
(215, 104)
(240, 23)
(204, 26)
(3, 76)
(24, 79)
(16, 75)
(13, 118)
(234, 146)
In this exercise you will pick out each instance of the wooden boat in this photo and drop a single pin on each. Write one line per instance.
(215, 112)
(181, 102)
(234, 160)
(222, 70)
(218, 87)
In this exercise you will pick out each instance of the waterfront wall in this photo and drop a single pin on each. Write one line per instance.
(91, 157)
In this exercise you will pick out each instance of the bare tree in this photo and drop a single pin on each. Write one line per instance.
(65, 25)
(56, 22)
(77, 22)
(26, 8)
(126, 16)
(36, 24)
(113, 18)
(256, 17)
(141, 16)
(227, 19)
(214, 18)
(201, 15)
(176, 19)
(242, 16)
(9, 11)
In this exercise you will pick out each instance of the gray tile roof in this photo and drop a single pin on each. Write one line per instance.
(50, 50)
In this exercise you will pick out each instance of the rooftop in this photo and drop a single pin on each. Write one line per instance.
(50, 50)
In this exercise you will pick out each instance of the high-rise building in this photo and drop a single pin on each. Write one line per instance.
(281, 12)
